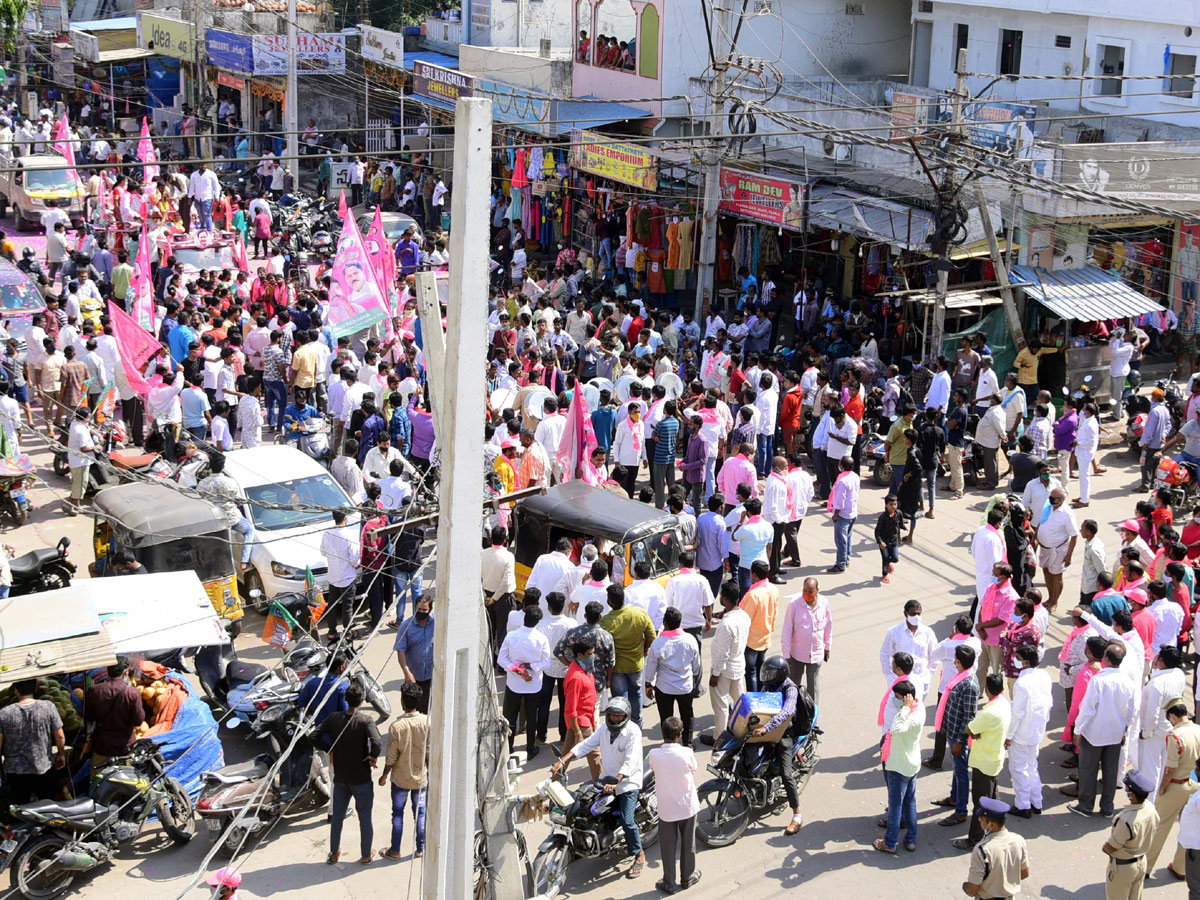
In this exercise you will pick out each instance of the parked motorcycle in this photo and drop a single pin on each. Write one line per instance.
(52, 843)
(1137, 408)
(15, 474)
(305, 779)
(47, 569)
(1179, 479)
(748, 779)
(585, 824)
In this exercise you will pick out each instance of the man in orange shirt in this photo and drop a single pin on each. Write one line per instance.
(761, 603)
(855, 409)
(789, 412)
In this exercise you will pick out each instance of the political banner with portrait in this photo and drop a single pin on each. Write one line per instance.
(356, 299)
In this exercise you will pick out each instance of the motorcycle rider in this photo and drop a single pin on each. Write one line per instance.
(29, 264)
(773, 676)
(329, 690)
(298, 412)
(620, 746)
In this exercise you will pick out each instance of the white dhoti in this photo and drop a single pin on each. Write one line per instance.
(1026, 779)
(1052, 558)
(1085, 475)
(1153, 756)
(1129, 750)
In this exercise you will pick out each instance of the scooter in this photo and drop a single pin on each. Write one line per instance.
(1179, 479)
(47, 569)
(15, 473)
(311, 438)
(304, 779)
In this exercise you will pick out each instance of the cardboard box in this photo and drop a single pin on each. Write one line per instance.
(765, 705)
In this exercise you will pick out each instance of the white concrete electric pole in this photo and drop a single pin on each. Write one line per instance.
(291, 101)
(458, 384)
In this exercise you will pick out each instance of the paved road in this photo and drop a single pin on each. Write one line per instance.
(832, 854)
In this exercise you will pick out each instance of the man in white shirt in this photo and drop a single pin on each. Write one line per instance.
(943, 657)
(204, 187)
(938, 395)
(647, 594)
(619, 741)
(378, 461)
(1031, 703)
(690, 593)
(1104, 716)
(986, 384)
(914, 638)
(80, 445)
(341, 546)
(1167, 681)
(552, 571)
(1167, 615)
(549, 434)
(727, 669)
(1057, 535)
(593, 588)
(987, 549)
(524, 655)
(554, 627)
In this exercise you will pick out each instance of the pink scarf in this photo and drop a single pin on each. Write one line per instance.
(886, 750)
(791, 500)
(671, 633)
(829, 505)
(941, 710)
(1066, 647)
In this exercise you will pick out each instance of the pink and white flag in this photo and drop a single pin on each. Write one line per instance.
(135, 346)
(141, 286)
(578, 442)
(383, 261)
(147, 154)
(356, 298)
(63, 147)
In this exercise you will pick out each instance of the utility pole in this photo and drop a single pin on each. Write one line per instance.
(291, 100)
(705, 277)
(449, 859)
(947, 200)
(1006, 294)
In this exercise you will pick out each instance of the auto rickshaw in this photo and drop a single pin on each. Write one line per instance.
(622, 529)
(168, 531)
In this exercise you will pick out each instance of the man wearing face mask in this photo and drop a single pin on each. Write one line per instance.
(1057, 534)
(579, 700)
(1000, 861)
(620, 746)
(913, 638)
(995, 614)
(987, 549)
(1037, 491)
(1020, 632)
(1031, 705)
(1132, 831)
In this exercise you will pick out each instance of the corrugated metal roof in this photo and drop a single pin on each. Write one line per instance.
(432, 57)
(969, 299)
(73, 654)
(1085, 295)
(870, 217)
(580, 114)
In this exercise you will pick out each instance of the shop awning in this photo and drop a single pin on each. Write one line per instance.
(586, 113)
(1085, 295)
(980, 248)
(870, 218)
(970, 299)
(42, 660)
(124, 55)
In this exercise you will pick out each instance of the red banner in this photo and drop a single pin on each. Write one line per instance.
(761, 198)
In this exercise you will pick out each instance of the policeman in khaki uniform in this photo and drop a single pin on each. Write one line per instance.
(1178, 782)
(998, 862)
(1132, 830)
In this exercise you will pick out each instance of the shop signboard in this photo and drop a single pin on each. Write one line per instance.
(441, 83)
(228, 50)
(316, 54)
(53, 15)
(1002, 127)
(1040, 249)
(625, 163)
(86, 46)
(761, 198)
(1163, 173)
(166, 37)
(910, 113)
(231, 81)
(383, 47)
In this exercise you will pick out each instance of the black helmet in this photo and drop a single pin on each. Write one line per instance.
(28, 253)
(616, 714)
(773, 671)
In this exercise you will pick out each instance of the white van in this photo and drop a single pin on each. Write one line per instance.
(33, 184)
(289, 536)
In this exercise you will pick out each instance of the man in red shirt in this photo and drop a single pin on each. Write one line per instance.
(789, 413)
(579, 700)
(856, 409)
(114, 708)
(1143, 622)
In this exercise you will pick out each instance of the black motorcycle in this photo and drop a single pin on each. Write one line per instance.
(305, 780)
(748, 779)
(586, 824)
(52, 842)
(47, 569)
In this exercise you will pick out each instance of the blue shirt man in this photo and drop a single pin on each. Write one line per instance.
(295, 413)
(665, 434)
(331, 687)
(604, 423)
(415, 640)
(179, 340)
(710, 542)
(400, 429)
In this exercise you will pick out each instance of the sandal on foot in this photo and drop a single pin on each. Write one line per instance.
(882, 847)
(636, 869)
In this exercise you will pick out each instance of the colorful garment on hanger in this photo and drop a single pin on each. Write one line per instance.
(641, 225)
(536, 172)
(673, 245)
(769, 252)
(520, 178)
(686, 238)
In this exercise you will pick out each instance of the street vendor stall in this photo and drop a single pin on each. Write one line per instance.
(1073, 311)
(66, 638)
